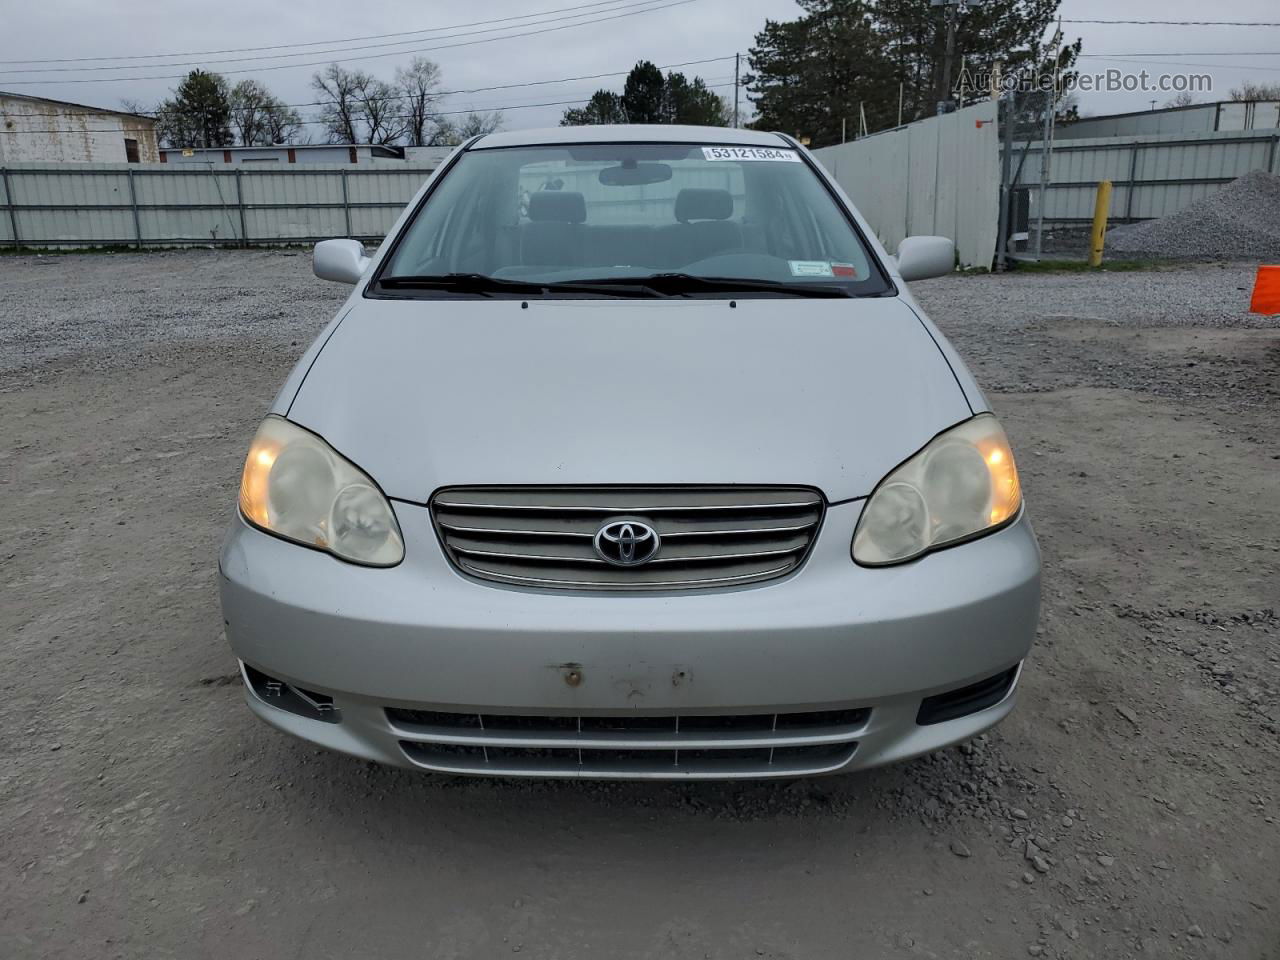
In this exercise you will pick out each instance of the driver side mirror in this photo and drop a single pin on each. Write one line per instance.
(921, 258)
(342, 261)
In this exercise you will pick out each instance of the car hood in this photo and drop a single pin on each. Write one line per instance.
(827, 393)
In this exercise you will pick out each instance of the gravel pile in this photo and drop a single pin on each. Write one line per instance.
(1241, 221)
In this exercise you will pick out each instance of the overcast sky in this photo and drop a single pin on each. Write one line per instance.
(688, 30)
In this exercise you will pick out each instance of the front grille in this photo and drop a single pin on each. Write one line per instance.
(673, 747)
(710, 536)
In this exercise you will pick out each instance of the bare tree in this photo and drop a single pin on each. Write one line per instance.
(381, 111)
(283, 123)
(472, 125)
(419, 86)
(357, 107)
(250, 102)
(337, 90)
(1256, 91)
(1182, 99)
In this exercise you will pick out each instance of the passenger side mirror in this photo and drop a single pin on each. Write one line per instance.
(920, 258)
(342, 261)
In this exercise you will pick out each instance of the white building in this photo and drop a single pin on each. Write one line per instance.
(39, 130)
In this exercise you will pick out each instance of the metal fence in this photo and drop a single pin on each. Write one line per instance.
(937, 176)
(1151, 176)
(87, 205)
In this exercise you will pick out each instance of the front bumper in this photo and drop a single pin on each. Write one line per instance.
(831, 637)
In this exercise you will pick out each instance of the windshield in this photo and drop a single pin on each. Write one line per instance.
(600, 219)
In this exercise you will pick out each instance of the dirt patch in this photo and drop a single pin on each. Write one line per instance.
(1127, 808)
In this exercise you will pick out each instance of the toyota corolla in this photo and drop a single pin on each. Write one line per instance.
(631, 455)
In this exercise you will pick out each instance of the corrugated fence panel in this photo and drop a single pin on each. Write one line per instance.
(1163, 173)
(922, 176)
(373, 221)
(207, 225)
(938, 175)
(385, 186)
(6, 219)
(92, 204)
(974, 149)
(294, 189)
(300, 224)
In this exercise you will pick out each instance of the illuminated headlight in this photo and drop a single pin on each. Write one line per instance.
(297, 487)
(961, 485)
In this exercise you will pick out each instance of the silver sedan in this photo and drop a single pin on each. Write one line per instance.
(631, 456)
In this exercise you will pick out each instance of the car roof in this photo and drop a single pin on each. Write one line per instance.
(630, 133)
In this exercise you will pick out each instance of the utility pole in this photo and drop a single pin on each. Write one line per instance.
(951, 10)
(1007, 116)
(1046, 142)
(736, 58)
(944, 102)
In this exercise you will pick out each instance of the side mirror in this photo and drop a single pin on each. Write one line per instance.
(340, 260)
(920, 258)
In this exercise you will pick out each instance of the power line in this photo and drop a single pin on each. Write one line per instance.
(1183, 63)
(318, 43)
(1196, 53)
(343, 49)
(371, 56)
(153, 114)
(1187, 23)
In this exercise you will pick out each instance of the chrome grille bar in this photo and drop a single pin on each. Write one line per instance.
(632, 746)
(711, 536)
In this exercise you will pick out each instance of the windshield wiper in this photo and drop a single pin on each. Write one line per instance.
(486, 286)
(657, 284)
(678, 284)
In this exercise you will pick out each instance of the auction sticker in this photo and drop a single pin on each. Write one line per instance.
(811, 268)
(749, 153)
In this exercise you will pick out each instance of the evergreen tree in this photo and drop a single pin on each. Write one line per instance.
(198, 114)
(603, 107)
(649, 97)
(843, 57)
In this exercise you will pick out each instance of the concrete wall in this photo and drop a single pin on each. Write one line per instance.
(41, 131)
(939, 176)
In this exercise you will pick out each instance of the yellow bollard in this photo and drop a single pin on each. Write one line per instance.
(1100, 209)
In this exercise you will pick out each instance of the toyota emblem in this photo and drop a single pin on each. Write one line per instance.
(626, 543)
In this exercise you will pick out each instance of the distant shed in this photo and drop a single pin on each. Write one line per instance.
(39, 130)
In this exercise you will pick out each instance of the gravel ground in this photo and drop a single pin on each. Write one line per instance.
(1128, 808)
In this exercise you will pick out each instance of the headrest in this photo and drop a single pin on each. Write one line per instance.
(559, 206)
(698, 203)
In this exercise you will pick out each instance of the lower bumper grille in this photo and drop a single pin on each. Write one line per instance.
(285, 696)
(667, 747)
(960, 703)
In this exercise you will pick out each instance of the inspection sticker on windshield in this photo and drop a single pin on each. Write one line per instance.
(811, 268)
(749, 153)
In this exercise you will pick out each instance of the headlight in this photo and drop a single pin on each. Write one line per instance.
(295, 486)
(962, 484)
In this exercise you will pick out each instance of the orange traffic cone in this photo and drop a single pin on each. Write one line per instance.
(1266, 291)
